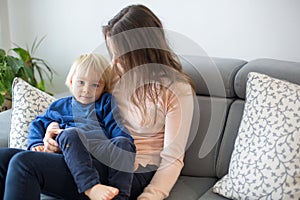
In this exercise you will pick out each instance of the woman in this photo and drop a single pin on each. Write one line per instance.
(154, 96)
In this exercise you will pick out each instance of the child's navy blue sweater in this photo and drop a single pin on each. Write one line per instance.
(102, 116)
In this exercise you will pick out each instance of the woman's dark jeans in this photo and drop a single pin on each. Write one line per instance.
(26, 174)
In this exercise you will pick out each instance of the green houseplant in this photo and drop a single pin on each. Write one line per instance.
(24, 65)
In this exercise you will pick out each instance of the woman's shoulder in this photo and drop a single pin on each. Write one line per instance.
(180, 88)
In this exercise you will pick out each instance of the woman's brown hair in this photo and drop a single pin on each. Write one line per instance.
(137, 38)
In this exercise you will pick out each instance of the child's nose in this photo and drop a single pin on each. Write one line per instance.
(86, 88)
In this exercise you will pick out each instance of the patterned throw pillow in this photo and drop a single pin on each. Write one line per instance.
(265, 162)
(27, 103)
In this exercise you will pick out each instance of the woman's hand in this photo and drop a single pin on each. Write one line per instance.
(50, 144)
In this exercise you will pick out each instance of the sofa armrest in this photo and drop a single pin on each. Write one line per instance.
(5, 122)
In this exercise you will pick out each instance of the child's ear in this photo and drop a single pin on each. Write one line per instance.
(71, 83)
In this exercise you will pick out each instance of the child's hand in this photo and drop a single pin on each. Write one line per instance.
(53, 125)
(50, 145)
(38, 148)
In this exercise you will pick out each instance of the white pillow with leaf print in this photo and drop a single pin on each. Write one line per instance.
(265, 162)
(27, 103)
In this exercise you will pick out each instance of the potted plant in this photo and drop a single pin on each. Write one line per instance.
(24, 65)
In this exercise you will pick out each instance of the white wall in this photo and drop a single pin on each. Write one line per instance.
(4, 26)
(245, 29)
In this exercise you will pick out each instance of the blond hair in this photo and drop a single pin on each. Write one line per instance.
(91, 61)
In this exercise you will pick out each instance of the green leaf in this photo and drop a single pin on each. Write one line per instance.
(1, 99)
(36, 44)
(2, 53)
(41, 86)
(2, 56)
(29, 74)
(15, 64)
(2, 88)
(24, 54)
(25, 66)
(47, 70)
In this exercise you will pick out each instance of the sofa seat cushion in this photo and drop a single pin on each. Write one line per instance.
(210, 195)
(265, 162)
(190, 188)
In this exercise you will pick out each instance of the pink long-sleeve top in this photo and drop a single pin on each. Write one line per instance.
(163, 140)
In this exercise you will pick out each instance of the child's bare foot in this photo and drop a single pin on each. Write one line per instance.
(101, 192)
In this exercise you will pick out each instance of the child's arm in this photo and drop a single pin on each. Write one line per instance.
(45, 127)
(50, 144)
(37, 131)
(112, 119)
(41, 127)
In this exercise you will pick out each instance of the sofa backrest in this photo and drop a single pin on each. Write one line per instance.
(213, 79)
(221, 87)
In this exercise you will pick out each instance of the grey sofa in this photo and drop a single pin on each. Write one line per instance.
(220, 88)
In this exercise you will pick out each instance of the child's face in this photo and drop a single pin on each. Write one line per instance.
(87, 87)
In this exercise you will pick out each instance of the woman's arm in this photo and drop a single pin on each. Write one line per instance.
(177, 127)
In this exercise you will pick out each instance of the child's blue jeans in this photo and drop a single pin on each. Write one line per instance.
(116, 156)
